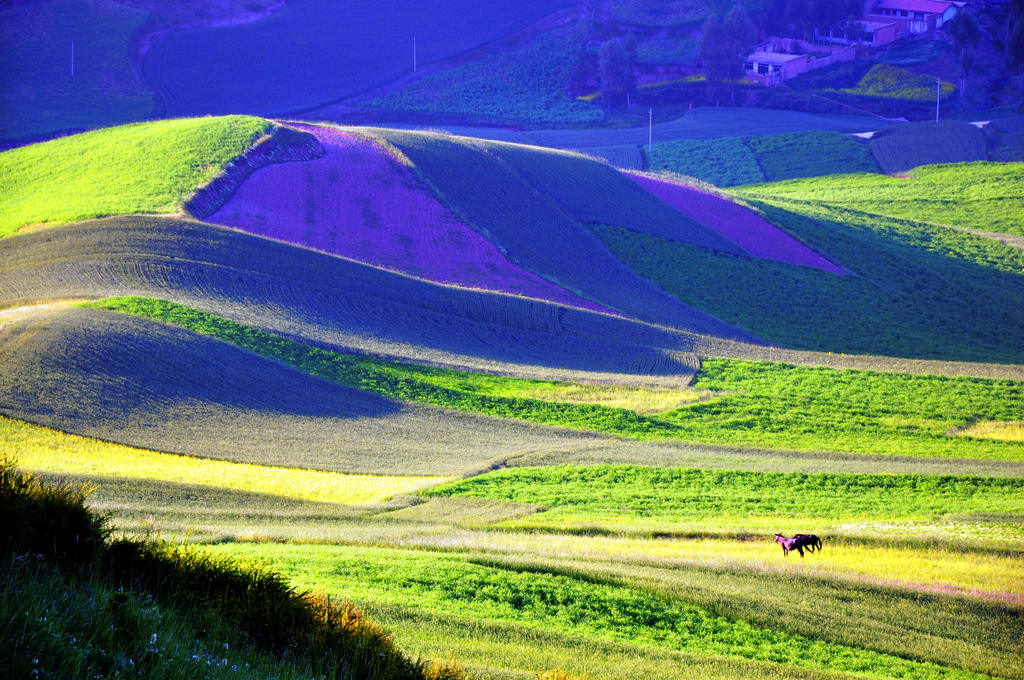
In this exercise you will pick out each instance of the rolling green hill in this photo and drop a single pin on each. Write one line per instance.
(141, 168)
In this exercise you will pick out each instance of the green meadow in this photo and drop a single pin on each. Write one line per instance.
(624, 496)
(981, 195)
(141, 168)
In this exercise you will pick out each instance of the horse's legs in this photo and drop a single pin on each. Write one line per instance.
(800, 549)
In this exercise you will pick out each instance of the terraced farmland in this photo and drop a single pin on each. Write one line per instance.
(452, 434)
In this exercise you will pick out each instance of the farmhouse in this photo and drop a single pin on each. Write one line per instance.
(913, 16)
(771, 68)
(877, 33)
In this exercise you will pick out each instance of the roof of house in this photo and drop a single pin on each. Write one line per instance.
(875, 25)
(925, 6)
(774, 57)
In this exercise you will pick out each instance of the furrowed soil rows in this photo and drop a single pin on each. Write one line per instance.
(329, 300)
(154, 386)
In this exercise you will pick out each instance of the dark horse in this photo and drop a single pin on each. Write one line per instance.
(809, 541)
(798, 543)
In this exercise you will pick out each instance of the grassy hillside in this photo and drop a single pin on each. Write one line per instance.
(146, 167)
(608, 488)
(745, 501)
(39, 91)
(598, 603)
(241, 68)
(809, 154)
(984, 196)
(333, 301)
(356, 200)
(884, 81)
(724, 162)
(76, 604)
(127, 380)
(903, 301)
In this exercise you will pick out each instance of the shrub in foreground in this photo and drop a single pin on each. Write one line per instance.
(86, 605)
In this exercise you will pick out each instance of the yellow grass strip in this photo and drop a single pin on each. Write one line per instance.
(994, 429)
(41, 449)
(639, 399)
(937, 569)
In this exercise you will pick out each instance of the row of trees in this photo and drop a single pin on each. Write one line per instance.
(725, 42)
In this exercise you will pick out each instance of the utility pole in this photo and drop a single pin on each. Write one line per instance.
(650, 130)
(414, 54)
(938, 89)
(72, 58)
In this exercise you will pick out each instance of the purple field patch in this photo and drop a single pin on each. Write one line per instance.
(742, 226)
(358, 202)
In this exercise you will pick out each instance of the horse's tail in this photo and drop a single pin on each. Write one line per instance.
(818, 542)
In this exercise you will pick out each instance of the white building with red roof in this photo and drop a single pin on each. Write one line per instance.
(915, 16)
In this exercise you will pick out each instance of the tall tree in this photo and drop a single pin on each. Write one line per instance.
(615, 68)
(724, 44)
(966, 34)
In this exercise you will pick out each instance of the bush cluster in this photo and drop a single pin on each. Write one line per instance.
(53, 525)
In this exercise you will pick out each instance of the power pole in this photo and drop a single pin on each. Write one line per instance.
(650, 130)
(72, 58)
(414, 54)
(938, 89)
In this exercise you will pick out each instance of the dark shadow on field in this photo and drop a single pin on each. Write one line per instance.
(333, 301)
(83, 366)
(142, 383)
(919, 291)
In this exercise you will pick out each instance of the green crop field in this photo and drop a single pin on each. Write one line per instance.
(41, 95)
(140, 168)
(724, 162)
(624, 497)
(914, 144)
(984, 196)
(526, 85)
(809, 154)
(497, 188)
(731, 161)
(903, 301)
(598, 605)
